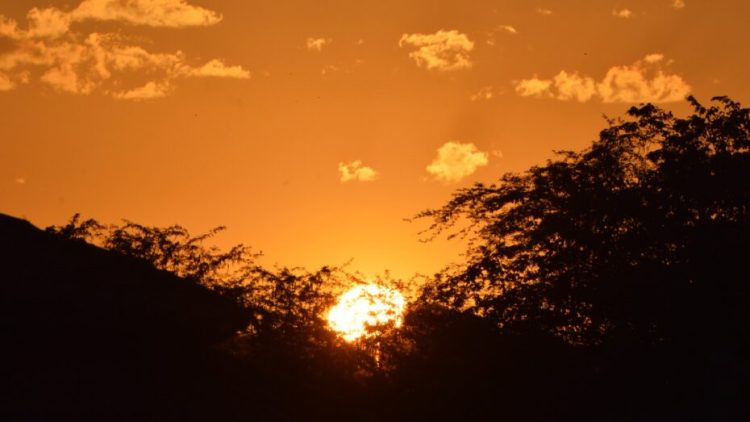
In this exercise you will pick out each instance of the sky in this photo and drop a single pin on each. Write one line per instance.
(313, 129)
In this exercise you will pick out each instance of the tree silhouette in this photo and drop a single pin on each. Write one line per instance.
(638, 237)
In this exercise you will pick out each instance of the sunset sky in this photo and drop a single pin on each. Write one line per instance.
(312, 129)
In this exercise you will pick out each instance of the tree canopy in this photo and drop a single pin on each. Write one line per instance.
(639, 235)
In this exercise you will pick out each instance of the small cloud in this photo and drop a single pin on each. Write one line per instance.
(361, 41)
(678, 4)
(533, 87)
(328, 69)
(507, 29)
(456, 160)
(484, 93)
(6, 84)
(643, 81)
(217, 69)
(622, 13)
(653, 58)
(317, 44)
(497, 153)
(443, 50)
(355, 171)
(543, 11)
(20, 180)
(148, 91)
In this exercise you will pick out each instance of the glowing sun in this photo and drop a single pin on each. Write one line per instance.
(364, 306)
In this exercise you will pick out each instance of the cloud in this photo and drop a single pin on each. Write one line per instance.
(9, 28)
(678, 4)
(48, 22)
(20, 180)
(507, 29)
(217, 69)
(151, 90)
(328, 69)
(533, 87)
(84, 63)
(643, 81)
(653, 58)
(317, 44)
(484, 93)
(543, 11)
(574, 87)
(622, 13)
(456, 160)
(158, 13)
(5, 83)
(355, 171)
(443, 50)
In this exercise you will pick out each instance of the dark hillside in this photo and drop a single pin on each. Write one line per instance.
(89, 333)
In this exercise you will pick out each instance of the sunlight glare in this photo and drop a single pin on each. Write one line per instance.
(364, 306)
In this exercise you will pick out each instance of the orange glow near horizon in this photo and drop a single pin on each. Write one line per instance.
(363, 307)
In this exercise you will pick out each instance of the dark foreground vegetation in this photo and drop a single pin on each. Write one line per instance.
(609, 284)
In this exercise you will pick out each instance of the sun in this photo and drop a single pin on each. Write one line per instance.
(365, 306)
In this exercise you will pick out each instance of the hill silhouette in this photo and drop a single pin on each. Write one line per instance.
(89, 333)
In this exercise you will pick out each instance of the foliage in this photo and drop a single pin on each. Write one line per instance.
(170, 249)
(624, 239)
(87, 230)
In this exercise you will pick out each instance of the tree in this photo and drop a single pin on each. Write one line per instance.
(641, 236)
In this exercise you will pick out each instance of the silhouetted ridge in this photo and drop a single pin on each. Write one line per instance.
(95, 330)
(58, 283)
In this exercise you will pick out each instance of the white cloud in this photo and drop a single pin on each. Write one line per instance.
(678, 4)
(543, 11)
(653, 58)
(5, 83)
(83, 63)
(159, 13)
(317, 44)
(456, 160)
(484, 93)
(533, 87)
(151, 90)
(643, 81)
(622, 13)
(443, 50)
(9, 28)
(48, 23)
(507, 29)
(573, 86)
(217, 69)
(355, 171)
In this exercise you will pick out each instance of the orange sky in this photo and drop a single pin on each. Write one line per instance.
(312, 129)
